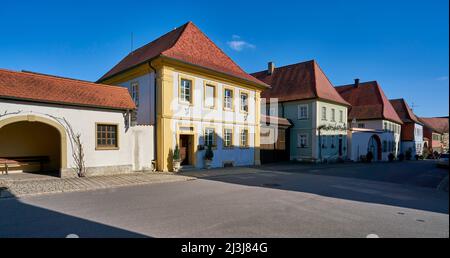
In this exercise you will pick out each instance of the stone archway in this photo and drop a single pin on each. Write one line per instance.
(375, 147)
(24, 122)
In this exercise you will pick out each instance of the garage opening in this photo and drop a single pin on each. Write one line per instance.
(30, 147)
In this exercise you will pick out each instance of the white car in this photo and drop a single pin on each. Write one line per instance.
(443, 160)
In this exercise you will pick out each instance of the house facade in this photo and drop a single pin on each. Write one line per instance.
(435, 133)
(371, 109)
(195, 96)
(60, 125)
(303, 94)
(412, 128)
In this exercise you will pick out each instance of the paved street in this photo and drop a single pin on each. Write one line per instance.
(289, 200)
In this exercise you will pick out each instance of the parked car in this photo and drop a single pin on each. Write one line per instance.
(443, 160)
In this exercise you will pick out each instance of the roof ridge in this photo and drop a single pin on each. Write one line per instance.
(59, 78)
(315, 80)
(207, 38)
(289, 65)
(182, 27)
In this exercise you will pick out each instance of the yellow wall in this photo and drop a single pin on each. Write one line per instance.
(31, 139)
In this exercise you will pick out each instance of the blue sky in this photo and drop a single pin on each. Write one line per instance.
(402, 44)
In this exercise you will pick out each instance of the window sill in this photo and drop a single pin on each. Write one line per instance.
(228, 148)
(106, 148)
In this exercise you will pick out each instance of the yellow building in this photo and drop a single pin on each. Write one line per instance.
(194, 95)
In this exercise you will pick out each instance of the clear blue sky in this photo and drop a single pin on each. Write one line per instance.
(402, 44)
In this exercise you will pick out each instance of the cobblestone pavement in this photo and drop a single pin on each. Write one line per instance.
(35, 186)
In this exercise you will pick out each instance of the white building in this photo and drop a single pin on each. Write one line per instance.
(195, 96)
(412, 128)
(42, 117)
(371, 109)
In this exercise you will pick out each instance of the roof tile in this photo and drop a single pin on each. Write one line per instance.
(368, 102)
(304, 80)
(52, 89)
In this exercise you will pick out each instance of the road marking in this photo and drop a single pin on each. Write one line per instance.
(372, 236)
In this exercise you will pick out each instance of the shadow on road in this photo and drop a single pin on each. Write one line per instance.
(385, 188)
(20, 220)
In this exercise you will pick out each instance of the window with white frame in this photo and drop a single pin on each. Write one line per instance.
(228, 99)
(302, 112)
(210, 94)
(186, 90)
(302, 140)
(361, 125)
(333, 115)
(244, 101)
(210, 137)
(324, 113)
(227, 138)
(134, 92)
(341, 116)
(244, 138)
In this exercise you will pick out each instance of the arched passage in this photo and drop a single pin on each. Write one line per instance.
(33, 136)
(375, 147)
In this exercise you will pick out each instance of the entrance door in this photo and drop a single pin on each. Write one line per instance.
(185, 147)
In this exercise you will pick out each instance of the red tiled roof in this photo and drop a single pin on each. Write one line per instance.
(278, 120)
(368, 102)
(404, 111)
(437, 124)
(187, 44)
(52, 89)
(299, 81)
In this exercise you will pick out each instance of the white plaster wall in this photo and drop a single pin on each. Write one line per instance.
(142, 147)
(201, 117)
(378, 125)
(359, 141)
(145, 112)
(83, 121)
(198, 111)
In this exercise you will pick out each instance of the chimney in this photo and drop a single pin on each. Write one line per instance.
(270, 68)
(356, 83)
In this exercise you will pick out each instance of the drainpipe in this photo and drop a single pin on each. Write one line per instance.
(155, 153)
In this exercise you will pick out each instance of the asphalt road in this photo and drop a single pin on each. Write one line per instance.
(254, 203)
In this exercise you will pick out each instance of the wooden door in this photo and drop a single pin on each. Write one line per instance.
(184, 149)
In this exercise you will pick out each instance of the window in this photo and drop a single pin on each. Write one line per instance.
(385, 146)
(302, 140)
(361, 125)
(341, 116)
(385, 126)
(302, 112)
(324, 113)
(227, 138)
(210, 96)
(244, 138)
(333, 115)
(210, 137)
(228, 99)
(244, 102)
(134, 91)
(186, 90)
(107, 136)
(273, 111)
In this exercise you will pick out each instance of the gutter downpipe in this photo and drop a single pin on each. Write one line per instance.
(155, 141)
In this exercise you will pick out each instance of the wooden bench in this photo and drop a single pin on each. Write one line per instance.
(9, 161)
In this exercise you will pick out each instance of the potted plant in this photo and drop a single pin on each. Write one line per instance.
(391, 157)
(209, 155)
(369, 157)
(408, 155)
(176, 159)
